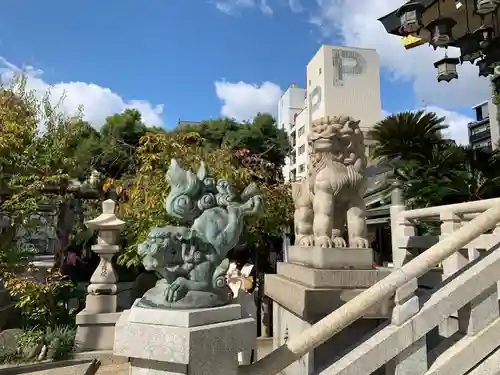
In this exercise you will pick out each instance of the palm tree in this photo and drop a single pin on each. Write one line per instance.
(450, 174)
(406, 134)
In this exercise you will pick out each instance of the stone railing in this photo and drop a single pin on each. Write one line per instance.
(401, 345)
(406, 244)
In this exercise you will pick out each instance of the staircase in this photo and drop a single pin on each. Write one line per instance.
(451, 327)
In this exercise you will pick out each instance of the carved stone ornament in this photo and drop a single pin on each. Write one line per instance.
(333, 190)
(191, 260)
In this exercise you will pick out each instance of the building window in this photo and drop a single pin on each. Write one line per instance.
(302, 130)
(479, 129)
(482, 112)
(292, 139)
(301, 168)
(319, 71)
(293, 158)
(482, 144)
(293, 175)
(302, 149)
(309, 82)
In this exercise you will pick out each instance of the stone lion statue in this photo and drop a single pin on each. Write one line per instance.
(334, 188)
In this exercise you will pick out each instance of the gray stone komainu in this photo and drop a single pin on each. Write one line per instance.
(324, 271)
(186, 324)
(332, 193)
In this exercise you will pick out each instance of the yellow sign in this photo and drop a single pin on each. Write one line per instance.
(411, 41)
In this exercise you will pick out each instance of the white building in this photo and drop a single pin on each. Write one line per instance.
(485, 131)
(340, 81)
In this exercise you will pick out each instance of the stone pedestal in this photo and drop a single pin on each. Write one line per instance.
(315, 282)
(95, 324)
(194, 342)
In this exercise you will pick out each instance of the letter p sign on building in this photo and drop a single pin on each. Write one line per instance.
(346, 63)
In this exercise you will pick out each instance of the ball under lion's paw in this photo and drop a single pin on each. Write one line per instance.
(306, 241)
(360, 243)
(323, 241)
(339, 242)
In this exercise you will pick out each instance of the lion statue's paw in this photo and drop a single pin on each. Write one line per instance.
(323, 241)
(339, 242)
(360, 243)
(305, 241)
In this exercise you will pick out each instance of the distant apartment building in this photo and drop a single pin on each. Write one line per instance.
(485, 131)
(340, 81)
(184, 124)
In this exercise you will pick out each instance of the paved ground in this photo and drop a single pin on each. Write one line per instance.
(113, 369)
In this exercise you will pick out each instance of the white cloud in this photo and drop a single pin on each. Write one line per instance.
(98, 102)
(242, 101)
(234, 6)
(295, 6)
(457, 122)
(356, 22)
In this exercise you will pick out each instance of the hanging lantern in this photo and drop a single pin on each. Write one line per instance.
(410, 15)
(447, 69)
(484, 7)
(484, 67)
(440, 30)
(469, 49)
(484, 35)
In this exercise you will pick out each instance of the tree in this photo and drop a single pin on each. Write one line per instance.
(119, 138)
(144, 206)
(406, 134)
(451, 174)
(435, 170)
(41, 151)
(261, 137)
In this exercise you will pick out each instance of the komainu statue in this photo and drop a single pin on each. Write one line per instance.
(191, 260)
(334, 188)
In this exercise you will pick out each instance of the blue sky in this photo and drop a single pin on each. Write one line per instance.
(197, 59)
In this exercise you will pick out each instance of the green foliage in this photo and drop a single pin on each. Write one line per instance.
(144, 209)
(43, 304)
(119, 138)
(261, 137)
(434, 170)
(60, 341)
(402, 135)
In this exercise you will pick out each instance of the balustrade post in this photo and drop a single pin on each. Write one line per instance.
(413, 360)
(450, 223)
(401, 228)
(482, 310)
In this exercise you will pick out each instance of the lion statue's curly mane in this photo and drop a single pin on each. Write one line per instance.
(334, 186)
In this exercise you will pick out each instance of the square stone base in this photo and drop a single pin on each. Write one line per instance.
(168, 344)
(95, 331)
(303, 295)
(313, 293)
(331, 258)
(287, 325)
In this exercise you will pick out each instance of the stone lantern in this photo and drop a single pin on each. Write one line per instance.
(96, 322)
(104, 279)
